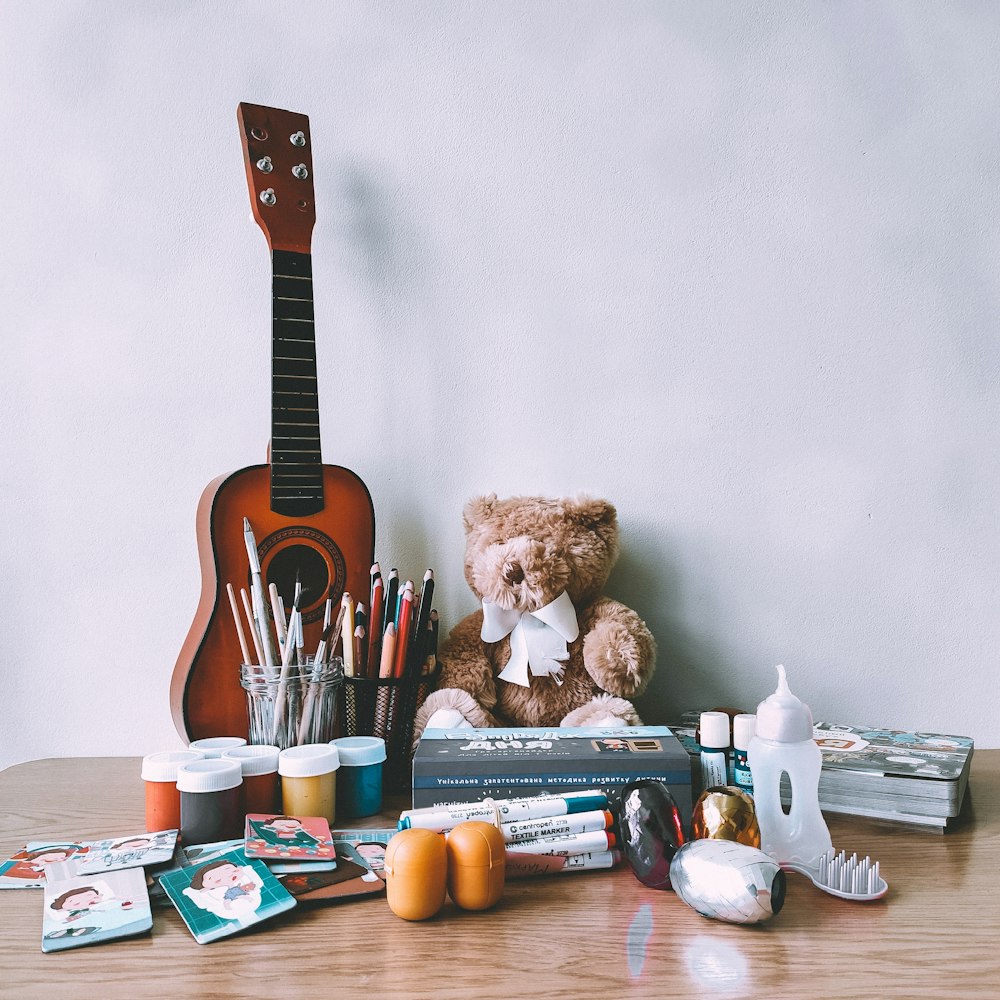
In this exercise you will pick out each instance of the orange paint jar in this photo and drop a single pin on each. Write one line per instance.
(163, 801)
(261, 784)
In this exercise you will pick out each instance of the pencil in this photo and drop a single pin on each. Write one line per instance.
(430, 662)
(388, 651)
(403, 629)
(239, 625)
(360, 645)
(375, 628)
(391, 590)
(418, 648)
(347, 633)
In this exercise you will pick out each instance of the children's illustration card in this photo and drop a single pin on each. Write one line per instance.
(366, 847)
(225, 896)
(289, 838)
(138, 851)
(26, 869)
(85, 910)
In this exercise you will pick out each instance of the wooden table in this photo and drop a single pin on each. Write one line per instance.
(589, 935)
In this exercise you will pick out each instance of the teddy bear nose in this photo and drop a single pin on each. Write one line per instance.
(513, 574)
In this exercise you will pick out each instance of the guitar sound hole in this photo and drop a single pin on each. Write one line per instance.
(302, 563)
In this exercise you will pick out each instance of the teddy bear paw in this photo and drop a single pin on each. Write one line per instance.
(604, 710)
(617, 659)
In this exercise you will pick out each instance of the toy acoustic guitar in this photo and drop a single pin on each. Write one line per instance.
(312, 521)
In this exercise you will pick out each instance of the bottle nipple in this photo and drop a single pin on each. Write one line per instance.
(782, 716)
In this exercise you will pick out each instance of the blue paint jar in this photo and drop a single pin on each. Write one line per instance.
(359, 784)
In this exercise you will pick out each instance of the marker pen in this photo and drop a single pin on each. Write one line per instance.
(441, 818)
(530, 865)
(568, 843)
(554, 826)
(714, 727)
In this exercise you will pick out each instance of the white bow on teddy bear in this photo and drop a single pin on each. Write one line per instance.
(537, 638)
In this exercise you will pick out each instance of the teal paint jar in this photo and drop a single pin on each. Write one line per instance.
(359, 784)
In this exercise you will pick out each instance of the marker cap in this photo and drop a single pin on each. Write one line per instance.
(213, 775)
(163, 766)
(308, 760)
(262, 759)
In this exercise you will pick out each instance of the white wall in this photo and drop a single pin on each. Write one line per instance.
(733, 266)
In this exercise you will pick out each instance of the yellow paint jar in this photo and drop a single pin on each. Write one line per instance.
(309, 780)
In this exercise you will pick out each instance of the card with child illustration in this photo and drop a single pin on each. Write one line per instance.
(225, 896)
(138, 851)
(289, 838)
(85, 910)
(26, 869)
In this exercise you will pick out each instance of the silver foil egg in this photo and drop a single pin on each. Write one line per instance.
(728, 881)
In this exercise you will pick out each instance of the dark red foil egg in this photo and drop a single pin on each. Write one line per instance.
(651, 831)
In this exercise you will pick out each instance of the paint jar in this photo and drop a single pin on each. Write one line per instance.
(359, 784)
(211, 801)
(309, 780)
(216, 746)
(261, 785)
(163, 801)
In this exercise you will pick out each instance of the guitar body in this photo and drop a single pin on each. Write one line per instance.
(206, 698)
(313, 524)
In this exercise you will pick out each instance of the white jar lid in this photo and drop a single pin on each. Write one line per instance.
(209, 776)
(308, 761)
(360, 751)
(163, 766)
(216, 746)
(260, 759)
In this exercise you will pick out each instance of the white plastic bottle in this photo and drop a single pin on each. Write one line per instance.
(784, 745)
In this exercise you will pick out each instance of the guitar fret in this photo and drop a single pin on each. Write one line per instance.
(296, 465)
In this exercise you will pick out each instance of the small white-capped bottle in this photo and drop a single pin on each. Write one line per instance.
(714, 758)
(784, 745)
(744, 728)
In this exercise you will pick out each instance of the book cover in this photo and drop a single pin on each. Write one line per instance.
(225, 896)
(86, 910)
(466, 765)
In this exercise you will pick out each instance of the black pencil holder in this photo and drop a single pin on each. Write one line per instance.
(386, 707)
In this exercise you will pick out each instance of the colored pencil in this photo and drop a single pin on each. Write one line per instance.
(375, 628)
(403, 629)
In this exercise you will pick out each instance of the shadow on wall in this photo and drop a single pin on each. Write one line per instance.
(687, 667)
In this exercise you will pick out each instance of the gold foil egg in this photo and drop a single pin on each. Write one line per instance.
(725, 812)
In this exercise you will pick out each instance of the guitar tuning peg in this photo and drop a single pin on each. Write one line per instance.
(265, 165)
(268, 196)
(298, 139)
(300, 172)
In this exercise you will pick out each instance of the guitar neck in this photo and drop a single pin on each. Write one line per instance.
(296, 460)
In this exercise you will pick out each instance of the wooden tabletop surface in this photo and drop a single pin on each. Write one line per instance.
(594, 934)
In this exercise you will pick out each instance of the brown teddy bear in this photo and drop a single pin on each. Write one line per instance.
(545, 649)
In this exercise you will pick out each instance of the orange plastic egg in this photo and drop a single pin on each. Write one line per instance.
(416, 870)
(476, 864)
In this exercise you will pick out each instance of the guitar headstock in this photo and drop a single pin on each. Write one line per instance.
(277, 154)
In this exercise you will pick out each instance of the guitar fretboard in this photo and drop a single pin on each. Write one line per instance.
(296, 462)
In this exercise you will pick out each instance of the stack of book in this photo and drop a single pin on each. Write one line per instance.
(905, 777)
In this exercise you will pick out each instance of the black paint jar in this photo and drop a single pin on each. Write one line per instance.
(211, 801)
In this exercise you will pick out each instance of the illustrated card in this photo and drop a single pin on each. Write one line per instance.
(226, 895)
(86, 910)
(136, 851)
(26, 869)
(350, 880)
(289, 838)
(365, 847)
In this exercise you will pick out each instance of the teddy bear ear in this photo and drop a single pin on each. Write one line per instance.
(477, 510)
(591, 511)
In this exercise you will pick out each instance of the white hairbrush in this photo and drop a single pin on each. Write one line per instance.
(841, 876)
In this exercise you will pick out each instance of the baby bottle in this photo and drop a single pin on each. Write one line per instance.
(784, 745)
